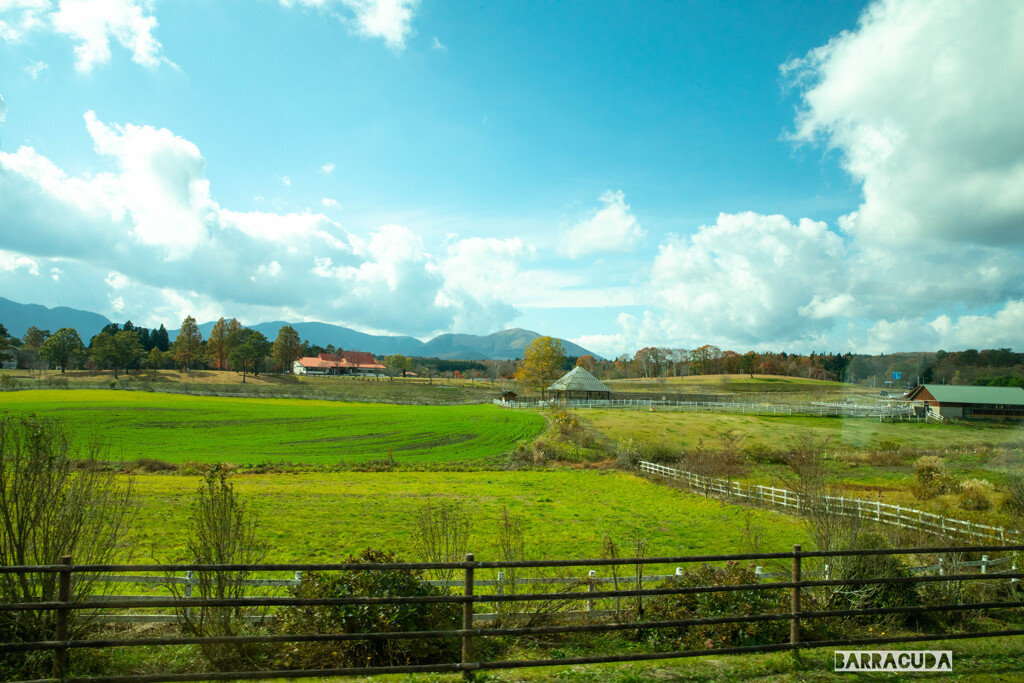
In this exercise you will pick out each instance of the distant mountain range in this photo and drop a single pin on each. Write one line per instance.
(503, 345)
(17, 318)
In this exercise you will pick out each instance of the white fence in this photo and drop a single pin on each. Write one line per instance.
(881, 412)
(873, 510)
(941, 568)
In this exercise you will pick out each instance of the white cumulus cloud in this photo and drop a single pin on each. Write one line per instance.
(150, 234)
(480, 276)
(390, 20)
(613, 228)
(91, 25)
(750, 278)
(919, 101)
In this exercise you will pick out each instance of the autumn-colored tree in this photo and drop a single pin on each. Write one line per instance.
(216, 349)
(706, 360)
(217, 344)
(188, 346)
(287, 348)
(587, 362)
(730, 362)
(541, 363)
(650, 360)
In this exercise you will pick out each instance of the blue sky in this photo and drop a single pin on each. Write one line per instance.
(800, 176)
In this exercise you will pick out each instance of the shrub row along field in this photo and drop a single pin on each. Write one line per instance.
(324, 517)
(177, 428)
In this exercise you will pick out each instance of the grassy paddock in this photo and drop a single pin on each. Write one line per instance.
(323, 517)
(685, 430)
(865, 458)
(177, 428)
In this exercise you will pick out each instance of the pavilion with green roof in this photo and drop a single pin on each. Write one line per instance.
(578, 383)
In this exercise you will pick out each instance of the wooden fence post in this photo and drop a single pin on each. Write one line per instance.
(794, 627)
(467, 617)
(60, 655)
(590, 589)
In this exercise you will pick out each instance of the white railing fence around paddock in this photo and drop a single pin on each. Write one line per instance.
(872, 510)
(881, 412)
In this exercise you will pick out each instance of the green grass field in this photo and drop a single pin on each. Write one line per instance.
(861, 455)
(177, 428)
(684, 430)
(323, 517)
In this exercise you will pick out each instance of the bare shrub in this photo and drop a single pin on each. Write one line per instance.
(807, 473)
(512, 548)
(873, 595)
(637, 549)
(730, 459)
(627, 453)
(931, 478)
(885, 458)
(975, 494)
(763, 454)
(832, 527)
(222, 531)
(703, 462)
(441, 534)
(1014, 502)
(154, 465)
(49, 510)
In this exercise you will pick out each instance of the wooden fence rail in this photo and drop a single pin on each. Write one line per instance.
(872, 510)
(64, 607)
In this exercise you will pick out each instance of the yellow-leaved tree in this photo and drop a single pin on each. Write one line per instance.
(541, 363)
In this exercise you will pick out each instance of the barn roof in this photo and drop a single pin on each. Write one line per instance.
(945, 393)
(345, 359)
(578, 379)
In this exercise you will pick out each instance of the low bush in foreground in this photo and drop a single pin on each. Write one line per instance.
(729, 603)
(363, 618)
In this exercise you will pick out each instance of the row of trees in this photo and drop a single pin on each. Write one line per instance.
(117, 348)
(999, 366)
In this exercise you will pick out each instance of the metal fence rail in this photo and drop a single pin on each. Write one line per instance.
(872, 510)
(798, 581)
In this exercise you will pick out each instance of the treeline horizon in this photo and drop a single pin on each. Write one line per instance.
(998, 367)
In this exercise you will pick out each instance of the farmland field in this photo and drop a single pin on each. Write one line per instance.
(684, 430)
(177, 428)
(323, 517)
